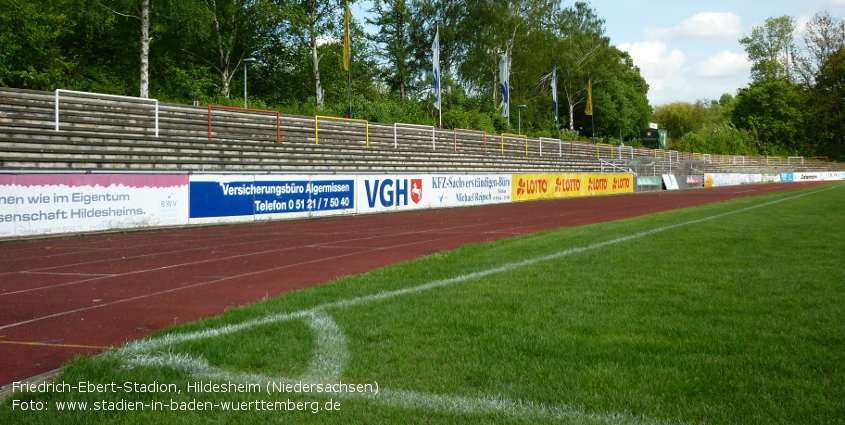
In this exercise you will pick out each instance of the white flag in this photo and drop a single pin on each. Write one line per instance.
(435, 50)
(503, 84)
(554, 94)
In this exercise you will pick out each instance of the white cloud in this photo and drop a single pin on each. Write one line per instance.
(660, 67)
(725, 64)
(649, 53)
(701, 25)
(671, 78)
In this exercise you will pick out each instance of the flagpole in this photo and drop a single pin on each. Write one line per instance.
(589, 109)
(439, 85)
(349, 59)
(349, 83)
(554, 101)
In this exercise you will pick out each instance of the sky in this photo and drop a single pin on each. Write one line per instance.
(688, 49)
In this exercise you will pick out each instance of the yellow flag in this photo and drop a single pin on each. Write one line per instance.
(589, 109)
(346, 52)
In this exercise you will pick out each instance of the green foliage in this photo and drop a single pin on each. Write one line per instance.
(31, 34)
(722, 140)
(769, 48)
(474, 120)
(680, 118)
(772, 112)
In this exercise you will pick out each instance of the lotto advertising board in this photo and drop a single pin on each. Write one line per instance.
(232, 198)
(529, 187)
(33, 204)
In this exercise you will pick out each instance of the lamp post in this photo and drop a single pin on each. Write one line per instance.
(519, 117)
(246, 62)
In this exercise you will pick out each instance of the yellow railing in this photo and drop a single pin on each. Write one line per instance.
(317, 120)
(518, 136)
(601, 145)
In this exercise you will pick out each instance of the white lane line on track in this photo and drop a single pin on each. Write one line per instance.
(211, 260)
(167, 291)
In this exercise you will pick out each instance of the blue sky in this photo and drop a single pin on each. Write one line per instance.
(688, 50)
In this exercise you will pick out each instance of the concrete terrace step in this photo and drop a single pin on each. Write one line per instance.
(96, 152)
(98, 132)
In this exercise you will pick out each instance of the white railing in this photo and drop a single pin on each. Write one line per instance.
(108, 96)
(425, 127)
(674, 156)
(575, 148)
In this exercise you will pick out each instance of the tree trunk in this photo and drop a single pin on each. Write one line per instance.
(145, 48)
(315, 59)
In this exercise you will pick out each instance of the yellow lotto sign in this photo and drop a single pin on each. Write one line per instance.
(530, 187)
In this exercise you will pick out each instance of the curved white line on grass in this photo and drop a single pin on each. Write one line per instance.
(332, 355)
(330, 352)
(327, 363)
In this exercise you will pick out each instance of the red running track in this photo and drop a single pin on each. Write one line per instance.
(61, 297)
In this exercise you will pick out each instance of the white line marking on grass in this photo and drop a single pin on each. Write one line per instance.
(331, 354)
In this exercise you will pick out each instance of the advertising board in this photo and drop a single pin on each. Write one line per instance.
(32, 204)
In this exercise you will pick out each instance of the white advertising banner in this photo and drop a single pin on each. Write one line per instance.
(771, 178)
(391, 192)
(32, 204)
(752, 178)
(833, 175)
(807, 177)
(459, 190)
(670, 182)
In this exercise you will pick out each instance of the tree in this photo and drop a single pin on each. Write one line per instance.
(142, 14)
(311, 21)
(392, 18)
(429, 15)
(770, 48)
(826, 109)
(823, 37)
(772, 111)
(31, 36)
(582, 54)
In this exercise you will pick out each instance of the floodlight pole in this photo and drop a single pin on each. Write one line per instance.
(519, 118)
(247, 61)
